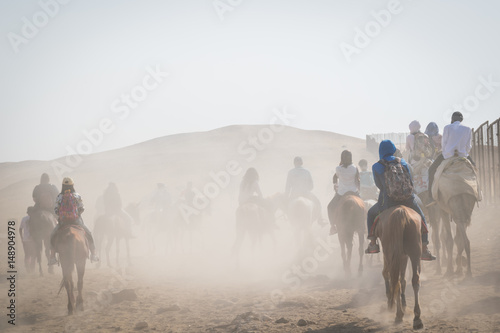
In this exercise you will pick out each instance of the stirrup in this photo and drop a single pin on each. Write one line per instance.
(94, 258)
(427, 256)
(432, 203)
(372, 249)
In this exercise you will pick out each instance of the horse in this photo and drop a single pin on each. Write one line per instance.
(300, 213)
(254, 220)
(399, 231)
(71, 244)
(111, 229)
(457, 192)
(348, 218)
(41, 224)
(439, 221)
(166, 224)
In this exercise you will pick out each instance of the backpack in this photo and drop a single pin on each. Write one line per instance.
(398, 184)
(68, 211)
(423, 147)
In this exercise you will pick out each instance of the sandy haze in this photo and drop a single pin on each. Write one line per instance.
(199, 286)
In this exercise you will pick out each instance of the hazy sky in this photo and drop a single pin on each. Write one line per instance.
(145, 69)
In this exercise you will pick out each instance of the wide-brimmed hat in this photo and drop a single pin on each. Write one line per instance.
(68, 181)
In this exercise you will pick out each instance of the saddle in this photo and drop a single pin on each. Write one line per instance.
(374, 226)
(62, 230)
(455, 175)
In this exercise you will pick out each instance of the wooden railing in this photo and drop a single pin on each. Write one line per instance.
(486, 154)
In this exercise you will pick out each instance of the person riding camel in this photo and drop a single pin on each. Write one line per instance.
(68, 209)
(418, 144)
(113, 205)
(345, 181)
(299, 183)
(387, 163)
(432, 131)
(45, 194)
(457, 139)
(367, 187)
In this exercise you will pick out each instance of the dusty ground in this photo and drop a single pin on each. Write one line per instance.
(186, 294)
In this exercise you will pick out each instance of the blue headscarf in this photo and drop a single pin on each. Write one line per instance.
(432, 129)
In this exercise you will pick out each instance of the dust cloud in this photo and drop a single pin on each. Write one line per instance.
(187, 275)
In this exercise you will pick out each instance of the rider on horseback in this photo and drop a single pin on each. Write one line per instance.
(161, 199)
(250, 192)
(386, 153)
(44, 194)
(345, 181)
(68, 191)
(432, 131)
(457, 138)
(367, 188)
(113, 206)
(299, 183)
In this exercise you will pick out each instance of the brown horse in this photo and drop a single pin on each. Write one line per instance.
(73, 249)
(399, 231)
(349, 217)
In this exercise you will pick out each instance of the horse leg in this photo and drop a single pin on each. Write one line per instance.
(349, 252)
(415, 282)
(343, 252)
(402, 279)
(39, 256)
(448, 244)
(235, 251)
(361, 249)
(109, 243)
(127, 245)
(462, 232)
(459, 240)
(117, 244)
(386, 275)
(435, 221)
(68, 284)
(80, 269)
(46, 244)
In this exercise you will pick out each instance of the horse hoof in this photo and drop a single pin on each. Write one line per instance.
(398, 321)
(417, 324)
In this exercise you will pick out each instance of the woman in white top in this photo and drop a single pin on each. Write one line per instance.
(345, 180)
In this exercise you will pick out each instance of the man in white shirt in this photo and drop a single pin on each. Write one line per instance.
(456, 138)
(299, 183)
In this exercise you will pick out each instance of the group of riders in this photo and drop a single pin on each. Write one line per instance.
(390, 176)
(67, 208)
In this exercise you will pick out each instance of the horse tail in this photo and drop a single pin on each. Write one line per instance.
(397, 223)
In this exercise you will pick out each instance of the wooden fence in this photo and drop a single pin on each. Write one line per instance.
(486, 154)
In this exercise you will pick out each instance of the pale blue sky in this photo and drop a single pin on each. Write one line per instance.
(264, 54)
